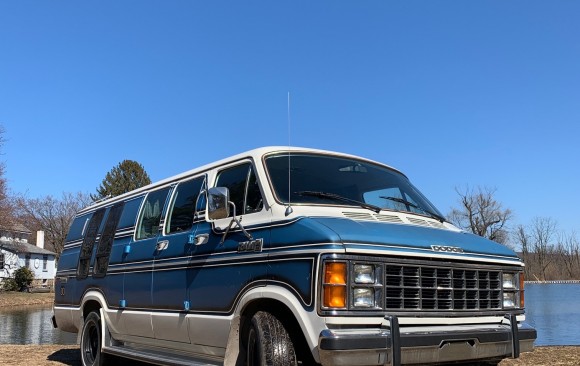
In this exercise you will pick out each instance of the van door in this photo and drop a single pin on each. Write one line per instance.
(139, 269)
(174, 247)
(223, 266)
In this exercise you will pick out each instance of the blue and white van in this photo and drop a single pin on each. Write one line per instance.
(286, 256)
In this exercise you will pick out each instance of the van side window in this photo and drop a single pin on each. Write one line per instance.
(151, 211)
(106, 242)
(243, 186)
(129, 215)
(76, 229)
(180, 217)
(89, 242)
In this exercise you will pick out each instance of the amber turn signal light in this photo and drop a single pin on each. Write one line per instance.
(334, 285)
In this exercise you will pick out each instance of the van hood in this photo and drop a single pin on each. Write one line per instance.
(397, 239)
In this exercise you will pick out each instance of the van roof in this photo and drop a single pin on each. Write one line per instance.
(254, 153)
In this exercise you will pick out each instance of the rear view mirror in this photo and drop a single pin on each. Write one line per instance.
(218, 203)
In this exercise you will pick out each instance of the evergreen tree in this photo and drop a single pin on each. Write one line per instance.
(126, 176)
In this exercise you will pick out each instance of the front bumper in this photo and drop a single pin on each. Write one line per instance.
(424, 345)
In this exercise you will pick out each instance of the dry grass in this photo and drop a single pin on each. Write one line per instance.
(8, 299)
(53, 355)
(543, 356)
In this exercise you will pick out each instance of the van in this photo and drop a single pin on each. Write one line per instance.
(286, 256)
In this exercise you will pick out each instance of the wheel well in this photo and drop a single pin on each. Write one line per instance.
(285, 315)
(90, 306)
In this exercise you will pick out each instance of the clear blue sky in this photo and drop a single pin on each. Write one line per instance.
(450, 92)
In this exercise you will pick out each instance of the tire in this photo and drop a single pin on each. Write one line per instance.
(268, 343)
(91, 347)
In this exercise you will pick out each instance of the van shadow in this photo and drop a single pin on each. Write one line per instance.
(72, 357)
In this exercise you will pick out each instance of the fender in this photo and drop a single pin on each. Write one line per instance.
(310, 323)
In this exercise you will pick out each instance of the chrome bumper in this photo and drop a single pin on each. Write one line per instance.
(423, 345)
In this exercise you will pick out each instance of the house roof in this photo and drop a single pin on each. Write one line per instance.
(18, 248)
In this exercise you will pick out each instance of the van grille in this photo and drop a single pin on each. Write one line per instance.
(410, 287)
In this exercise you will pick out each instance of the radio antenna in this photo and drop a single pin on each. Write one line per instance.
(289, 207)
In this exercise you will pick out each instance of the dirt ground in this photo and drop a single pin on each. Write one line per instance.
(24, 298)
(54, 355)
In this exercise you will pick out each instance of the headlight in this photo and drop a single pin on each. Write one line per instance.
(510, 299)
(364, 273)
(509, 281)
(364, 297)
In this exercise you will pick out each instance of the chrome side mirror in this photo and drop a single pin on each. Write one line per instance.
(218, 203)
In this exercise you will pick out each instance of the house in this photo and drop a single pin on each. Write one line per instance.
(16, 252)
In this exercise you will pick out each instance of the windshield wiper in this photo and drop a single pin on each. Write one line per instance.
(337, 197)
(411, 204)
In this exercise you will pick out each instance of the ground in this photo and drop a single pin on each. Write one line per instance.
(24, 298)
(55, 355)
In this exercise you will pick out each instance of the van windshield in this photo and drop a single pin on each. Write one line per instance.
(325, 179)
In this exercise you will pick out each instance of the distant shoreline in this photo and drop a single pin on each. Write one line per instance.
(554, 282)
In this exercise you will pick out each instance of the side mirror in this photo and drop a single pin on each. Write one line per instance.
(218, 203)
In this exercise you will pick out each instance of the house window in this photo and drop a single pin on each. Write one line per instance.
(27, 261)
(1, 261)
(45, 263)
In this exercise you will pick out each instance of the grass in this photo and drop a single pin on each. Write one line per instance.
(24, 298)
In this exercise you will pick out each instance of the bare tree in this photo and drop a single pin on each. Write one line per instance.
(481, 214)
(543, 230)
(522, 238)
(566, 250)
(6, 206)
(52, 215)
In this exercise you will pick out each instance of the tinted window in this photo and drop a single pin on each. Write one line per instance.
(106, 242)
(129, 215)
(186, 196)
(151, 214)
(76, 229)
(244, 189)
(89, 242)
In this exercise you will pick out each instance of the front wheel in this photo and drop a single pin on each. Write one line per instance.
(91, 347)
(268, 342)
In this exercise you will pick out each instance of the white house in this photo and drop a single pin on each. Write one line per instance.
(16, 252)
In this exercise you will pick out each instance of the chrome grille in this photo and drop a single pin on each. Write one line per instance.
(409, 287)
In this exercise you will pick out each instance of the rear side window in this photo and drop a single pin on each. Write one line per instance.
(186, 196)
(76, 229)
(91, 232)
(151, 211)
(244, 189)
(106, 242)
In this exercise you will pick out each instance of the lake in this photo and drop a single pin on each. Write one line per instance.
(553, 309)
(31, 325)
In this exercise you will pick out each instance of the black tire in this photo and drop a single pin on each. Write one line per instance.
(91, 347)
(268, 343)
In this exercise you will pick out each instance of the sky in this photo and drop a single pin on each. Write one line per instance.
(453, 93)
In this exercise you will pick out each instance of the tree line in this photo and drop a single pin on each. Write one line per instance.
(548, 252)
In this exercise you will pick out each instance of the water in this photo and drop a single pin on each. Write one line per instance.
(31, 325)
(554, 310)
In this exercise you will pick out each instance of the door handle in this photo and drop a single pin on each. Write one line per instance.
(162, 245)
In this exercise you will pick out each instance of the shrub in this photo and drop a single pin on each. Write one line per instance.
(9, 284)
(23, 277)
